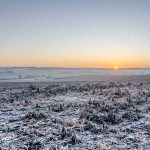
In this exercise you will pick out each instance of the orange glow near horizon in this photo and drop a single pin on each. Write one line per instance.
(80, 60)
(73, 63)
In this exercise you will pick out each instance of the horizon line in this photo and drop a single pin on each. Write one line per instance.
(74, 67)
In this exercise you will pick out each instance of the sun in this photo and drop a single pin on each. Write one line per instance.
(116, 68)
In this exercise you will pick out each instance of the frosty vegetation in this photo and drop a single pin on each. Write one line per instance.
(76, 116)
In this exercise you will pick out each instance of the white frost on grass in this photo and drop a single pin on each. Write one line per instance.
(102, 115)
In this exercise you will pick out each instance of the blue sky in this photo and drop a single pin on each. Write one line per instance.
(75, 33)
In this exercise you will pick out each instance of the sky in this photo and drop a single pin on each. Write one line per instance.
(75, 33)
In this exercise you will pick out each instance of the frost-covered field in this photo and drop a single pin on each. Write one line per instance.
(63, 116)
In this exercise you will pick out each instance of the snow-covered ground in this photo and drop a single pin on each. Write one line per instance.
(73, 116)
